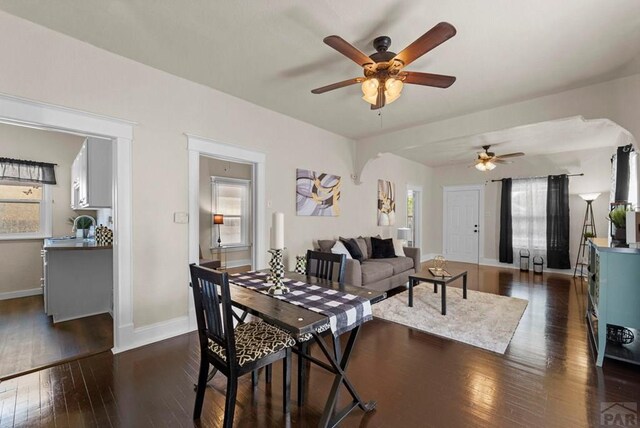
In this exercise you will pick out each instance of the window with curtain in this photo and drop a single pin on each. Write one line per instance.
(529, 216)
(24, 211)
(232, 198)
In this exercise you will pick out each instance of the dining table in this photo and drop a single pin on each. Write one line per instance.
(285, 312)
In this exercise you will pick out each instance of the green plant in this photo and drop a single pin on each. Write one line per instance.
(618, 216)
(83, 222)
(589, 235)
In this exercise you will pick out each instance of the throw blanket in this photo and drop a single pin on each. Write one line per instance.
(345, 311)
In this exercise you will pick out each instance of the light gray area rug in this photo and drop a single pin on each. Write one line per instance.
(484, 320)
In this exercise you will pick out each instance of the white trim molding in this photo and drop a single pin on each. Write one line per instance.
(34, 114)
(205, 146)
(20, 293)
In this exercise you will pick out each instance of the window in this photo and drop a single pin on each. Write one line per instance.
(24, 211)
(231, 198)
(529, 215)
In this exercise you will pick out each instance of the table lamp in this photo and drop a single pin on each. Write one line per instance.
(404, 234)
(218, 219)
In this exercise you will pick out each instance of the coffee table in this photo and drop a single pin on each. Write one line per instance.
(426, 276)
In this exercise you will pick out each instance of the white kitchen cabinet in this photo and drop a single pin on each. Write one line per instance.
(91, 181)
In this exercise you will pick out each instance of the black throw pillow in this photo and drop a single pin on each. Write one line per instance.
(382, 248)
(353, 248)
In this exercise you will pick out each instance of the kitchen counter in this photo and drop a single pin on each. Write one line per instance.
(604, 244)
(74, 244)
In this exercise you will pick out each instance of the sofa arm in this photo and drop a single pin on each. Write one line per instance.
(353, 273)
(414, 253)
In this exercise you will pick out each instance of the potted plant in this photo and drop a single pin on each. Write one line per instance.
(618, 218)
(83, 225)
(588, 235)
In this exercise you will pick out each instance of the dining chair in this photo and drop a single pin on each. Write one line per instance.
(233, 351)
(327, 266)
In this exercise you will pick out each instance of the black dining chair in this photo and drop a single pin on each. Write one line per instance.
(327, 266)
(233, 351)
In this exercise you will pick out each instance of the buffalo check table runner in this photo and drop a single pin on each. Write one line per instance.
(345, 311)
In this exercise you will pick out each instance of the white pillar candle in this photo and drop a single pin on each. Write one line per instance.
(277, 239)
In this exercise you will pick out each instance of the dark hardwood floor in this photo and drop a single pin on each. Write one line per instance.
(546, 378)
(30, 341)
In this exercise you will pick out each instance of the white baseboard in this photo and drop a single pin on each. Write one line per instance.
(427, 257)
(130, 337)
(237, 263)
(20, 293)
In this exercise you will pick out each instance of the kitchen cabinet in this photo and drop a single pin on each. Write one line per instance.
(78, 278)
(613, 299)
(91, 177)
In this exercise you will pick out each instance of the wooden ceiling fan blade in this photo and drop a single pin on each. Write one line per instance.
(429, 40)
(511, 155)
(498, 160)
(337, 85)
(428, 79)
(348, 50)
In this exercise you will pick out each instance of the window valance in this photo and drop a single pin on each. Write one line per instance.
(27, 171)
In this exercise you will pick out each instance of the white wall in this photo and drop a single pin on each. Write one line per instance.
(50, 67)
(595, 164)
(20, 262)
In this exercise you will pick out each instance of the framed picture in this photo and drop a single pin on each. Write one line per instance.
(317, 193)
(386, 203)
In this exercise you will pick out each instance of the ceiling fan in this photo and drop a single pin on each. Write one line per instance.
(384, 74)
(487, 160)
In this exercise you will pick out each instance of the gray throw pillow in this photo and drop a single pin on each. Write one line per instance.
(326, 245)
(363, 248)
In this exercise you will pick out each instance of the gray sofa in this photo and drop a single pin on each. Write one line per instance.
(379, 274)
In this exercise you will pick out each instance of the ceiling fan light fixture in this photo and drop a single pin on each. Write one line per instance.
(480, 166)
(489, 166)
(370, 87)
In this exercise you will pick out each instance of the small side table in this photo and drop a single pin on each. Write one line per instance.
(426, 276)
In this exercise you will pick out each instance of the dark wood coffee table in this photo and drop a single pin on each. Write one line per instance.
(426, 276)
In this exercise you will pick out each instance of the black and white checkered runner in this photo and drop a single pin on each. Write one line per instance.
(345, 311)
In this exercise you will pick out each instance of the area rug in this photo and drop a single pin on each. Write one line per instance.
(485, 320)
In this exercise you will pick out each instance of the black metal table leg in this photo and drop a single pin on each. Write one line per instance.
(444, 299)
(435, 287)
(464, 286)
(329, 418)
(411, 284)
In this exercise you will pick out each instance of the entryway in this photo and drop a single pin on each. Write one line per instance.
(462, 221)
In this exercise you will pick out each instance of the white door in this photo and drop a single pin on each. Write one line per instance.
(461, 231)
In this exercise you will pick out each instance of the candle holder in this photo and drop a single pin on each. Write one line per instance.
(276, 273)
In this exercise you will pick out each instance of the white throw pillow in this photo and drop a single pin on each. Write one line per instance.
(397, 248)
(339, 248)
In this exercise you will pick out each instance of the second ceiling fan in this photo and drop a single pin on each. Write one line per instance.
(487, 160)
(384, 74)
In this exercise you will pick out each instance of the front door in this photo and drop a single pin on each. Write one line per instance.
(461, 225)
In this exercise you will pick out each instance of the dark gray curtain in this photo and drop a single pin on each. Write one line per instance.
(506, 231)
(558, 222)
(27, 171)
(622, 173)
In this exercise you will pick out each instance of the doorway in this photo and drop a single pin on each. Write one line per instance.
(462, 221)
(414, 215)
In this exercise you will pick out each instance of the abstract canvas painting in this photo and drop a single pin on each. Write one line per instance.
(386, 203)
(317, 194)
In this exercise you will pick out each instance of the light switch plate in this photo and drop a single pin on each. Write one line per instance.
(181, 217)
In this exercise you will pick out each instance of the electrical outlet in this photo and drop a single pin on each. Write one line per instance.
(181, 217)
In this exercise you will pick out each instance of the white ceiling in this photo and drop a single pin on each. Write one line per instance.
(271, 53)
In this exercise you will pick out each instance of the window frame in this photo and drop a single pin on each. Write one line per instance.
(244, 216)
(46, 212)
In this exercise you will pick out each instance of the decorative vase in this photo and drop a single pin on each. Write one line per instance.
(301, 265)
(276, 273)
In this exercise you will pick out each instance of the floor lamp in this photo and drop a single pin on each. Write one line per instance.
(588, 227)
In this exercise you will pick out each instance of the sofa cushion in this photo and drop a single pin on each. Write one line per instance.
(353, 248)
(373, 271)
(339, 248)
(326, 245)
(382, 248)
(367, 242)
(363, 248)
(398, 264)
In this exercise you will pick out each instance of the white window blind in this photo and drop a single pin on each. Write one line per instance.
(231, 198)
